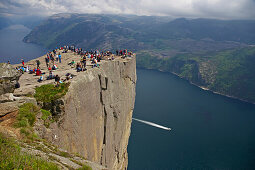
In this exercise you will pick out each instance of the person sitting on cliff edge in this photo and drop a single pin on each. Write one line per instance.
(51, 76)
(40, 79)
(78, 67)
(71, 63)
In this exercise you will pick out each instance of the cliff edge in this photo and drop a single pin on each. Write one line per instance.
(94, 117)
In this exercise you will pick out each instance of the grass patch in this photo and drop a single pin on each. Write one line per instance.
(26, 119)
(49, 92)
(77, 162)
(47, 118)
(85, 167)
(12, 157)
(29, 95)
(64, 154)
(27, 115)
(45, 114)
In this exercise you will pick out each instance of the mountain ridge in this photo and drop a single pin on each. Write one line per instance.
(186, 47)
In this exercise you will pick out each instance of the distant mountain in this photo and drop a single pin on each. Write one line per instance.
(215, 54)
(90, 31)
(4, 22)
(219, 30)
(135, 32)
(228, 72)
(27, 21)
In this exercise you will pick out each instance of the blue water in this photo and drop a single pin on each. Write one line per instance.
(14, 49)
(209, 131)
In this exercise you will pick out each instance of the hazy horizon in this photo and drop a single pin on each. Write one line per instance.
(215, 9)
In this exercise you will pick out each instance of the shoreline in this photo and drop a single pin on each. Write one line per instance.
(203, 88)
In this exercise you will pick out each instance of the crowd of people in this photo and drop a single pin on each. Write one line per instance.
(53, 57)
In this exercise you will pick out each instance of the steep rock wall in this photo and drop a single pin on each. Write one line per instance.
(97, 112)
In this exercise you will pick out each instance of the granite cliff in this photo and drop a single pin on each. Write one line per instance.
(96, 114)
(92, 119)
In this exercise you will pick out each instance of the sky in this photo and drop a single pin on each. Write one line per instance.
(219, 9)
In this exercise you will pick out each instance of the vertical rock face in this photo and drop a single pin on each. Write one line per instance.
(8, 78)
(97, 114)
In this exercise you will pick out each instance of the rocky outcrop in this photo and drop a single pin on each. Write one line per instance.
(8, 78)
(96, 115)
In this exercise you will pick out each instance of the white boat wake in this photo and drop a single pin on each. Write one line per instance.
(152, 124)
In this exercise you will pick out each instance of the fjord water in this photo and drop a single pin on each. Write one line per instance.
(209, 131)
(14, 49)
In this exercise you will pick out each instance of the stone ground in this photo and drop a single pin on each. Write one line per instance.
(28, 82)
(9, 105)
(57, 156)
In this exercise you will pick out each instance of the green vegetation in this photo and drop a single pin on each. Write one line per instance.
(12, 157)
(186, 71)
(26, 119)
(45, 114)
(85, 167)
(230, 72)
(46, 117)
(64, 154)
(49, 92)
(235, 73)
(27, 115)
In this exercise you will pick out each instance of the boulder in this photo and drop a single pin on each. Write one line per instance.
(7, 97)
(9, 76)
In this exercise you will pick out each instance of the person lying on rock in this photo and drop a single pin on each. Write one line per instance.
(68, 76)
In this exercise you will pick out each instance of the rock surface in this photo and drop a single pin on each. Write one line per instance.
(97, 114)
(94, 117)
(8, 78)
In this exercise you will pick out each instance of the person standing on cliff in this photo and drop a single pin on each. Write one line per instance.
(38, 64)
(23, 63)
(56, 57)
(52, 58)
(59, 57)
(47, 61)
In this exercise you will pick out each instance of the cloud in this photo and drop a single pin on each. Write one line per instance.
(221, 9)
